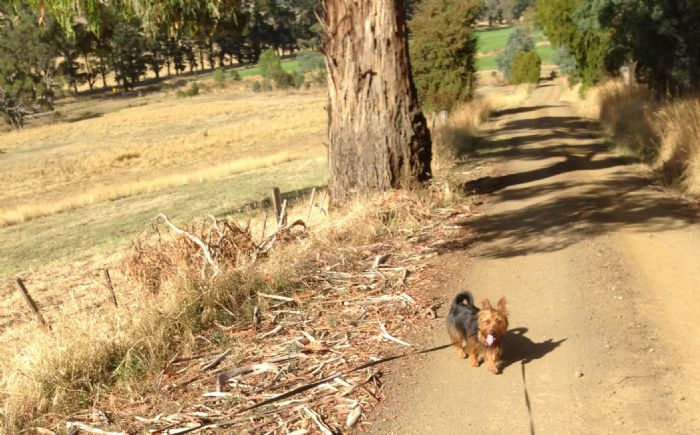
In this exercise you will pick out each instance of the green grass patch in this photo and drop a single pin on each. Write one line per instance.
(288, 65)
(546, 53)
(485, 63)
(493, 39)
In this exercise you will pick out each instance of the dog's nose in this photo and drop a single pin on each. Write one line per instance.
(492, 332)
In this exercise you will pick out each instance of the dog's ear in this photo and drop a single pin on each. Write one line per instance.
(501, 304)
(486, 304)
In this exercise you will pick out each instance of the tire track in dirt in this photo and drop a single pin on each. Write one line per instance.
(601, 273)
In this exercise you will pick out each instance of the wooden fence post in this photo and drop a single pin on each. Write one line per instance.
(311, 204)
(108, 284)
(32, 305)
(277, 204)
(323, 201)
(283, 217)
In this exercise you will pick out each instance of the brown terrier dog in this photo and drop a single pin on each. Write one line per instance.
(482, 330)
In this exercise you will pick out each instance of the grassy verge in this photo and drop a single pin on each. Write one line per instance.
(108, 226)
(457, 137)
(663, 134)
(102, 354)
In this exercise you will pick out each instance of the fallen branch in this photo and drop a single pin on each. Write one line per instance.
(317, 419)
(274, 331)
(388, 336)
(216, 361)
(71, 425)
(276, 297)
(195, 240)
(353, 416)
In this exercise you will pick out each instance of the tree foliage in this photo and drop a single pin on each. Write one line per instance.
(520, 6)
(443, 48)
(526, 68)
(574, 24)
(123, 38)
(519, 41)
(127, 54)
(27, 66)
(661, 36)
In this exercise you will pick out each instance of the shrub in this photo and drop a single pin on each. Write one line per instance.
(310, 61)
(189, 92)
(269, 63)
(526, 68)
(266, 85)
(318, 77)
(567, 65)
(220, 77)
(519, 41)
(236, 75)
(282, 79)
(298, 79)
(256, 86)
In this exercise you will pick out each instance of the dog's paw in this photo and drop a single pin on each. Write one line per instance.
(473, 362)
(494, 369)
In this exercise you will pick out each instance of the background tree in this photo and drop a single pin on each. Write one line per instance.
(156, 45)
(520, 6)
(662, 37)
(128, 55)
(69, 67)
(443, 48)
(574, 24)
(86, 45)
(27, 65)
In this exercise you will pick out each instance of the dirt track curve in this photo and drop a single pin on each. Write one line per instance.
(602, 276)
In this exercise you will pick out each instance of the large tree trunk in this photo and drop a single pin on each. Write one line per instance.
(378, 136)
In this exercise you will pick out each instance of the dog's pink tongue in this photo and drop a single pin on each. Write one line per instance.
(489, 340)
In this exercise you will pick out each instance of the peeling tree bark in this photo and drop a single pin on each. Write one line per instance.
(378, 136)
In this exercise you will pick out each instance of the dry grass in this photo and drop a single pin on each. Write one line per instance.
(459, 134)
(140, 149)
(663, 134)
(103, 350)
(678, 124)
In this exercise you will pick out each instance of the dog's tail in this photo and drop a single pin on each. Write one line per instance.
(464, 296)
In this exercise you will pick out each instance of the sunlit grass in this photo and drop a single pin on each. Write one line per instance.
(164, 143)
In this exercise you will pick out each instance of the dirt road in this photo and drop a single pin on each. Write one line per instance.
(602, 276)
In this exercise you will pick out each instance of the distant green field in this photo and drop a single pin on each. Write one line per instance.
(495, 40)
(486, 63)
(287, 65)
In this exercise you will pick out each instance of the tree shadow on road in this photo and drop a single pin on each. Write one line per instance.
(555, 212)
(519, 348)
